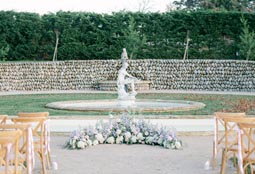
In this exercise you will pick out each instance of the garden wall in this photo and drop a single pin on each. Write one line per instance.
(226, 75)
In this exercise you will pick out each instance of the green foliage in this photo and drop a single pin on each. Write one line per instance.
(4, 49)
(247, 45)
(216, 5)
(134, 40)
(214, 35)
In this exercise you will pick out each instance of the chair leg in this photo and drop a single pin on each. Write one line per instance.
(223, 162)
(214, 162)
(49, 161)
(42, 159)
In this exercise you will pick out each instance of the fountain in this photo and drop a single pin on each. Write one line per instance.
(126, 100)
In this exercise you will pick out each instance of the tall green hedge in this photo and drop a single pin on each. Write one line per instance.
(29, 36)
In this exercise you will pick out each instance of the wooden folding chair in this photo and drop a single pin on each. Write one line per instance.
(25, 146)
(219, 139)
(46, 115)
(3, 119)
(246, 150)
(231, 139)
(9, 152)
(38, 129)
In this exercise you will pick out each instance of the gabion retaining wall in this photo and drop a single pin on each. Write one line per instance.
(226, 75)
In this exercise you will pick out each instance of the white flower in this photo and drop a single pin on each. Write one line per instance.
(133, 130)
(140, 136)
(81, 144)
(146, 133)
(169, 138)
(118, 132)
(127, 136)
(149, 140)
(95, 142)
(75, 137)
(110, 140)
(133, 139)
(160, 141)
(89, 142)
(119, 139)
(178, 145)
(100, 138)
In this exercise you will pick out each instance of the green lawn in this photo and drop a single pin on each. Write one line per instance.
(13, 104)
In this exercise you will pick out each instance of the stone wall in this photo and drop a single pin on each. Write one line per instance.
(226, 75)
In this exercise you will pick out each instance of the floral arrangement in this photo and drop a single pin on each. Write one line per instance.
(124, 130)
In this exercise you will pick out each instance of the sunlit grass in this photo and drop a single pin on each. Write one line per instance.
(13, 104)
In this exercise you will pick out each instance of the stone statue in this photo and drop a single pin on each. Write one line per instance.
(124, 78)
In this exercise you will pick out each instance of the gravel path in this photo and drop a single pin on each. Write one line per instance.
(134, 159)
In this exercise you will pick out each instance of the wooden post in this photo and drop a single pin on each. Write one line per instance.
(56, 46)
(187, 47)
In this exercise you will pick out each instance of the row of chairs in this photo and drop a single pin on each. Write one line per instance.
(20, 140)
(236, 142)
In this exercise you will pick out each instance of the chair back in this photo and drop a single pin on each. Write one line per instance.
(219, 139)
(3, 119)
(33, 114)
(38, 125)
(25, 145)
(246, 150)
(9, 146)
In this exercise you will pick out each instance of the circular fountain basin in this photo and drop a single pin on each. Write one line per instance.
(145, 105)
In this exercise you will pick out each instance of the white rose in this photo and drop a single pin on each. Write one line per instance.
(119, 140)
(127, 136)
(89, 142)
(95, 142)
(133, 139)
(146, 133)
(133, 130)
(100, 138)
(81, 145)
(140, 136)
(178, 145)
(110, 140)
(118, 132)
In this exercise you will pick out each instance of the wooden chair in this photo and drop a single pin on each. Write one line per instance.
(38, 130)
(33, 114)
(231, 139)
(246, 150)
(9, 152)
(25, 146)
(219, 139)
(3, 119)
(46, 115)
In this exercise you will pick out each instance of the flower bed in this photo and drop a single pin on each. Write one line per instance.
(124, 130)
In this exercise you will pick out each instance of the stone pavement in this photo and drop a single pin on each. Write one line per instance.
(134, 159)
(181, 125)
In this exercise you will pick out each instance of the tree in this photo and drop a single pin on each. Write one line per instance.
(145, 6)
(187, 4)
(133, 40)
(247, 46)
(229, 5)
